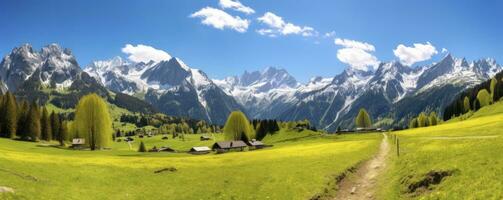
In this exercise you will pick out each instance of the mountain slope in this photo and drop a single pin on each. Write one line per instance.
(393, 91)
(171, 86)
(52, 75)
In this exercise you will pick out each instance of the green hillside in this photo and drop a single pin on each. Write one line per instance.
(466, 150)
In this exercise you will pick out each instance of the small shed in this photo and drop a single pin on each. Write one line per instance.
(229, 145)
(204, 138)
(162, 149)
(78, 143)
(256, 144)
(200, 150)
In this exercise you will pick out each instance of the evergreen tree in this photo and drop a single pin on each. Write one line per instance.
(261, 131)
(363, 120)
(142, 147)
(498, 91)
(92, 120)
(466, 104)
(10, 115)
(23, 111)
(237, 127)
(63, 133)
(422, 120)
(33, 122)
(433, 119)
(55, 125)
(45, 123)
(484, 98)
(413, 123)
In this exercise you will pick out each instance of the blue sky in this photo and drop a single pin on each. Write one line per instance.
(368, 31)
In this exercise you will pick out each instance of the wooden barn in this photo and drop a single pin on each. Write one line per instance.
(229, 145)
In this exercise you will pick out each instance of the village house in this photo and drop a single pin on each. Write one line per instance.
(229, 145)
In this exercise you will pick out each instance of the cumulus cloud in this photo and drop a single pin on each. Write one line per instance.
(417, 53)
(219, 19)
(236, 5)
(444, 50)
(356, 54)
(144, 53)
(277, 26)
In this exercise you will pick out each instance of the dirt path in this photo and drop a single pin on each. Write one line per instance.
(361, 184)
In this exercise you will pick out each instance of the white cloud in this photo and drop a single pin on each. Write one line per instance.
(236, 5)
(410, 55)
(277, 26)
(144, 53)
(219, 19)
(356, 54)
(329, 34)
(444, 50)
(354, 44)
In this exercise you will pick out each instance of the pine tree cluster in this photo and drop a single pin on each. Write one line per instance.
(264, 126)
(21, 120)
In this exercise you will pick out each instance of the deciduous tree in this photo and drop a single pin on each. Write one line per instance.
(92, 121)
(237, 127)
(363, 120)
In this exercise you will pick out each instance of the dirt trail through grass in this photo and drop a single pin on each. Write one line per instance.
(362, 184)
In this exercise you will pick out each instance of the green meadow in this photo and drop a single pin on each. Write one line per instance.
(298, 166)
(468, 148)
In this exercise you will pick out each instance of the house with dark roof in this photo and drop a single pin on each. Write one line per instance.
(229, 145)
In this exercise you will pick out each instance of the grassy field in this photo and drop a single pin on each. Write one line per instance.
(298, 166)
(469, 148)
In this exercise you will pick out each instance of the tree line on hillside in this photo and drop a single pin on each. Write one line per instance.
(161, 121)
(30, 122)
(238, 127)
(424, 120)
(473, 99)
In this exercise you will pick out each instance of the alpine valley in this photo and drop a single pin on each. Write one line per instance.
(392, 93)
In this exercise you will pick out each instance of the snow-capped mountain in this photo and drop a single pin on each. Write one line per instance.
(52, 75)
(393, 91)
(50, 65)
(171, 86)
(260, 91)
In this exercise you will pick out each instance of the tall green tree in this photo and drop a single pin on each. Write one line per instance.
(433, 119)
(63, 133)
(33, 122)
(237, 127)
(45, 123)
(413, 123)
(9, 115)
(363, 120)
(466, 104)
(492, 87)
(484, 98)
(55, 125)
(23, 112)
(93, 122)
(422, 120)
(142, 147)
